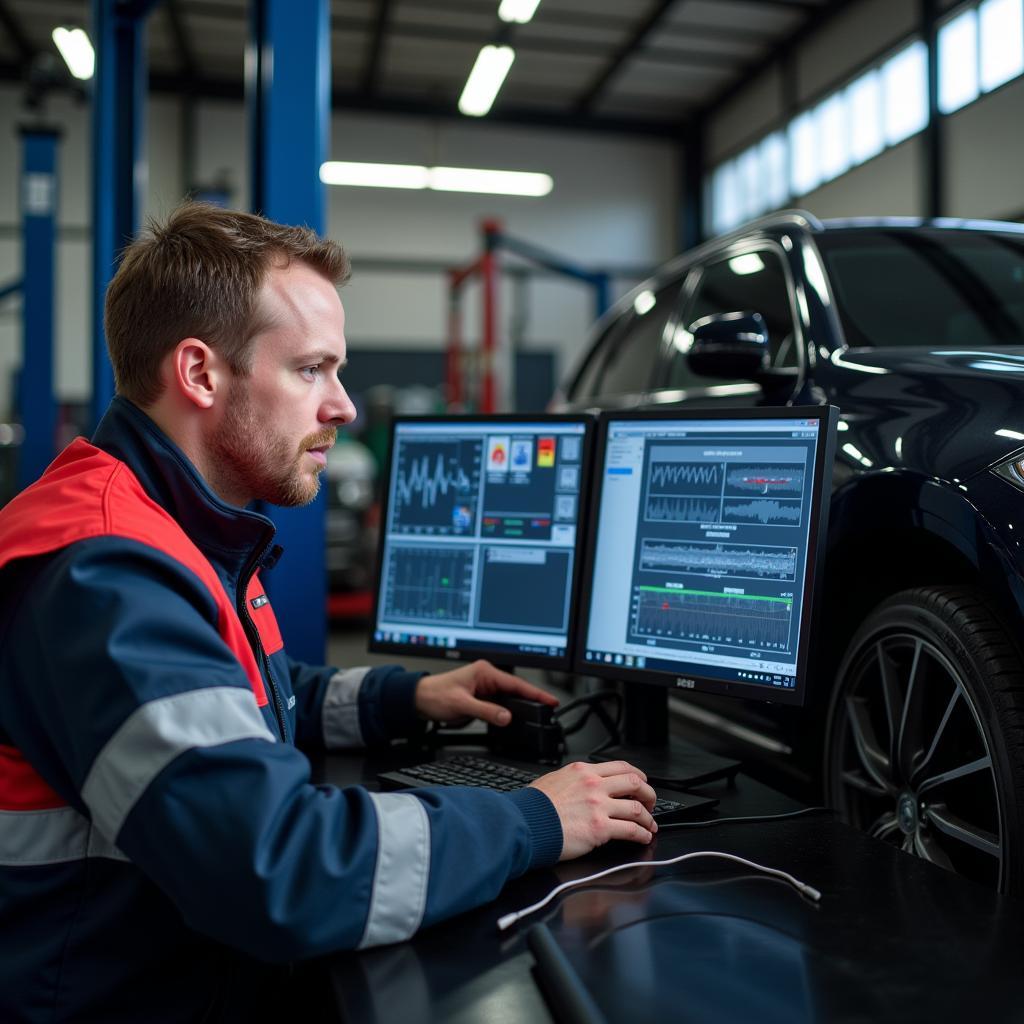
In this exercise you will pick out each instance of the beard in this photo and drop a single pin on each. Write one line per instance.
(249, 460)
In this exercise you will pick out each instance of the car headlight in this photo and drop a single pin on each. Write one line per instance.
(1013, 470)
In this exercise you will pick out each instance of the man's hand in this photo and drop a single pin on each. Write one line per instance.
(449, 696)
(598, 802)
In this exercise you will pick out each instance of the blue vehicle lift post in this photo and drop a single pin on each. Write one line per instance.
(288, 95)
(119, 179)
(36, 404)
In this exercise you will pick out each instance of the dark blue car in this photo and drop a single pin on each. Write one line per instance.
(914, 727)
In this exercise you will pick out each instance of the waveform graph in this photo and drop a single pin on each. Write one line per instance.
(673, 479)
(733, 561)
(747, 621)
(436, 487)
(763, 511)
(424, 583)
(682, 510)
(774, 479)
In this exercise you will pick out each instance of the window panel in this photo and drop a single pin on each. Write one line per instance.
(958, 62)
(1002, 41)
(864, 110)
(905, 92)
(805, 174)
(727, 199)
(751, 183)
(833, 137)
(775, 170)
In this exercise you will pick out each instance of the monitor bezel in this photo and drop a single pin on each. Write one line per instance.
(688, 681)
(508, 658)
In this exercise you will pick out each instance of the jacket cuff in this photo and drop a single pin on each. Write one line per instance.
(543, 823)
(387, 704)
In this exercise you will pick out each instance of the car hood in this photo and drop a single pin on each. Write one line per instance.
(947, 413)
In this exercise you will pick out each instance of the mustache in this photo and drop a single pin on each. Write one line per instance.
(326, 436)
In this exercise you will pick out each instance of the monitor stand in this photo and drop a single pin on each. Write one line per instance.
(665, 760)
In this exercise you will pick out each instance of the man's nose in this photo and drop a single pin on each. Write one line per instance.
(338, 407)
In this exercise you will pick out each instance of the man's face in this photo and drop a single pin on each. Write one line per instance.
(271, 441)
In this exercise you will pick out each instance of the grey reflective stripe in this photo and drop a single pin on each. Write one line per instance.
(154, 735)
(340, 713)
(399, 895)
(29, 838)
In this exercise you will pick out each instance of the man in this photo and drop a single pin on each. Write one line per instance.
(158, 827)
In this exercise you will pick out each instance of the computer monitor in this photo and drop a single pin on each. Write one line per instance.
(480, 538)
(705, 547)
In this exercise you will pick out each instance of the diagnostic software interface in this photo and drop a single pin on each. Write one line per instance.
(481, 527)
(701, 554)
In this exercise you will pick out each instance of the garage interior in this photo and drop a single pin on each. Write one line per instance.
(542, 249)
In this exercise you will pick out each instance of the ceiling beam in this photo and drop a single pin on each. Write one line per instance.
(375, 51)
(586, 102)
(809, 6)
(412, 106)
(11, 25)
(661, 55)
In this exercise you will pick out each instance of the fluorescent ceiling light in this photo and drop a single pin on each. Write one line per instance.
(502, 183)
(748, 263)
(441, 179)
(336, 172)
(76, 50)
(489, 71)
(518, 11)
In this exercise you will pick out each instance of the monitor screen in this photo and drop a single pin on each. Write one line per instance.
(480, 530)
(705, 547)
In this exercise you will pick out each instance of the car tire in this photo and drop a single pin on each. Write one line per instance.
(925, 733)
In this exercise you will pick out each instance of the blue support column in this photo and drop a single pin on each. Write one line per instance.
(288, 92)
(36, 404)
(119, 168)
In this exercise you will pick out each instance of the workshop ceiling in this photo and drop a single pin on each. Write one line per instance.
(645, 65)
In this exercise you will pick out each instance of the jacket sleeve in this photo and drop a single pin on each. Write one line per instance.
(339, 709)
(142, 719)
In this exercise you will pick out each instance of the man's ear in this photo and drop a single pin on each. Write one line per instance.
(196, 372)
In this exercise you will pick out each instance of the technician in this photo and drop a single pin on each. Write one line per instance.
(159, 833)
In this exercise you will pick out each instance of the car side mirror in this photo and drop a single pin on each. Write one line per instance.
(733, 346)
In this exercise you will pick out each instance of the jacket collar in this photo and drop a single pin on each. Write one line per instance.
(231, 538)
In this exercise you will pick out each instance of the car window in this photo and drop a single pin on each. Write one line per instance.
(927, 287)
(752, 281)
(634, 348)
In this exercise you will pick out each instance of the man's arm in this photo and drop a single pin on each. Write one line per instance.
(356, 707)
(144, 722)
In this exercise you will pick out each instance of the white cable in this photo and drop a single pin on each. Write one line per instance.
(807, 890)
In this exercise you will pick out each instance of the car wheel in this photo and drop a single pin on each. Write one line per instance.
(925, 734)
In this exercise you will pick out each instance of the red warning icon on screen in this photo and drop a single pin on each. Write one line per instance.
(545, 452)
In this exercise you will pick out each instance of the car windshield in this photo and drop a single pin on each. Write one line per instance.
(927, 286)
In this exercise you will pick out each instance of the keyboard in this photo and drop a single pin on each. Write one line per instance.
(467, 770)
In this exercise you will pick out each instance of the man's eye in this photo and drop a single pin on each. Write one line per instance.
(310, 372)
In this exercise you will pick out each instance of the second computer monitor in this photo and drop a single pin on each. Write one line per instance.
(480, 529)
(705, 549)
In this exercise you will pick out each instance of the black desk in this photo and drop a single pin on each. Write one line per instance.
(893, 939)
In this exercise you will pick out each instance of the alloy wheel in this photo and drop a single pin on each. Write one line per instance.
(911, 763)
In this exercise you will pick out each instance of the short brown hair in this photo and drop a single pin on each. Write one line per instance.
(199, 275)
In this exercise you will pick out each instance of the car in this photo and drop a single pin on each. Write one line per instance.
(914, 723)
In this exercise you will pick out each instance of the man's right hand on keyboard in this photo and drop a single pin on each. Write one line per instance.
(598, 802)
